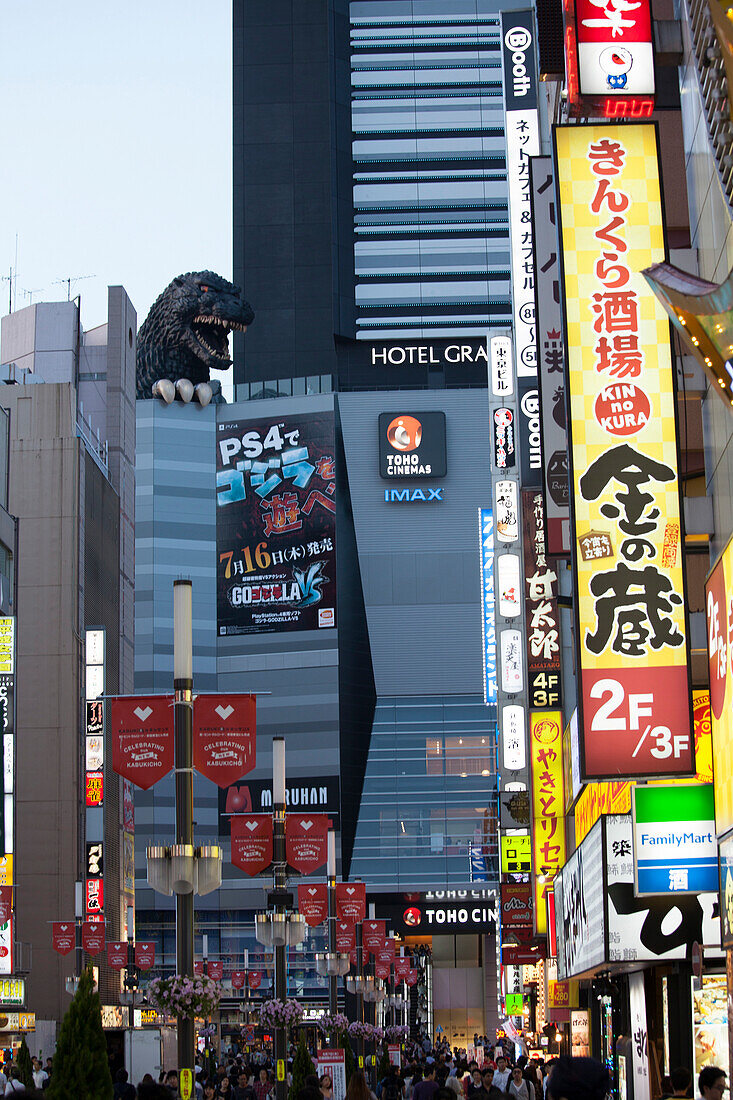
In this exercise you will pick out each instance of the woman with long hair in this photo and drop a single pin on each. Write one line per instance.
(358, 1088)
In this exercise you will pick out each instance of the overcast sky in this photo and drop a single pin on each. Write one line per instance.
(116, 147)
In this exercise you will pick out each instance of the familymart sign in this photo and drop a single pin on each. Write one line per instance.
(675, 850)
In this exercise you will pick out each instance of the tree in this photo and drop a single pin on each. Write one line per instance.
(350, 1064)
(80, 1064)
(383, 1063)
(302, 1067)
(25, 1065)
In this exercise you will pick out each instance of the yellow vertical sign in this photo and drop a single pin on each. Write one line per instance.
(634, 689)
(548, 807)
(186, 1083)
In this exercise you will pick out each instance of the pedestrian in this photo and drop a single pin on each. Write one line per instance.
(39, 1074)
(502, 1073)
(122, 1090)
(579, 1079)
(493, 1092)
(711, 1083)
(326, 1086)
(14, 1082)
(518, 1087)
(263, 1085)
(426, 1089)
(245, 1091)
(679, 1080)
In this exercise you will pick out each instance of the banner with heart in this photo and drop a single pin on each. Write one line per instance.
(215, 970)
(198, 968)
(224, 737)
(345, 936)
(306, 841)
(385, 954)
(93, 936)
(373, 934)
(382, 970)
(144, 955)
(63, 936)
(238, 979)
(142, 738)
(354, 957)
(351, 901)
(255, 979)
(313, 903)
(402, 967)
(412, 976)
(117, 954)
(251, 842)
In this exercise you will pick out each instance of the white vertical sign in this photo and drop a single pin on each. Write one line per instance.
(639, 1036)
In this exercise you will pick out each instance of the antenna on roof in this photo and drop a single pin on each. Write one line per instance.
(72, 279)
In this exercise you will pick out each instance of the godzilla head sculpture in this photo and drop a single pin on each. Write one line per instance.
(186, 334)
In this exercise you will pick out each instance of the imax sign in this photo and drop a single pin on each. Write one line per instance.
(412, 496)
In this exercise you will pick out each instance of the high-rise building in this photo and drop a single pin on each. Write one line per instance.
(370, 189)
(68, 396)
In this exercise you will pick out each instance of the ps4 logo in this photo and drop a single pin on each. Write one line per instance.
(411, 496)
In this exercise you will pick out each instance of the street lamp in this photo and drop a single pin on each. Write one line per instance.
(332, 964)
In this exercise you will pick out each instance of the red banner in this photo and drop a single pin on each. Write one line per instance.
(345, 936)
(351, 901)
(385, 954)
(145, 955)
(93, 936)
(198, 969)
(224, 737)
(95, 895)
(521, 956)
(402, 967)
(6, 903)
(251, 842)
(382, 970)
(517, 906)
(255, 979)
(238, 979)
(353, 957)
(374, 933)
(142, 738)
(63, 937)
(313, 903)
(412, 976)
(215, 970)
(117, 955)
(306, 841)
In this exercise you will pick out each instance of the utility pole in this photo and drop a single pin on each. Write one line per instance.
(282, 903)
(331, 876)
(183, 741)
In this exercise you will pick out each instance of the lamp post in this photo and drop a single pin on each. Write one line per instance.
(331, 876)
(281, 905)
(183, 741)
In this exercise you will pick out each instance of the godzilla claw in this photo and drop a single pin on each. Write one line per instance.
(203, 394)
(164, 388)
(184, 389)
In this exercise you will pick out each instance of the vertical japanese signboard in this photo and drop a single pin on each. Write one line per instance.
(634, 698)
(550, 356)
(522, 142)
(615, 55)
(548, 807)
(486, 529)
(719, 611)
(276, 524)
(541, 610)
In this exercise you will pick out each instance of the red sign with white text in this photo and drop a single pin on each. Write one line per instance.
(224, 737)
(198, 968)
(382, 969)
(255, 979)
(615, 47)
(252, 842)
(142, 738)
(144, 955)
(6, 903)
(117, 954)
(351, 901)
(306, 841)
(345, 936)
(93, 936)
(517, 908)
(63, 937)
(374, 933)
(412, 976)
(313, 903)
(385, 954)
(95, 895)
(215, 970)
(238, 979)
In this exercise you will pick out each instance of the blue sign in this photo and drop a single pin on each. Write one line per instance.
(486, 526)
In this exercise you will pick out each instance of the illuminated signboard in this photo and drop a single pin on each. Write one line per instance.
(615, 56)
(412, 444)
(516, 855)
(95, 788)
(12, 991)
(631, 632)
(675, 850)
(719, 609)
(548, 806)
(541, 609)
(486, 527)
(522, 142)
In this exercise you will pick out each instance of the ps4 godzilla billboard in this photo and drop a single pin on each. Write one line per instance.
(276, 524)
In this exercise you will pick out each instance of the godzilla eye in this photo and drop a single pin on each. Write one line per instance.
(205, 289)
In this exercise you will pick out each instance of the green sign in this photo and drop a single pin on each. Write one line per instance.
(675, 850)
(514, 1004)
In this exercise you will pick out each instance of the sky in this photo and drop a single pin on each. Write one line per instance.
(116, 129)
